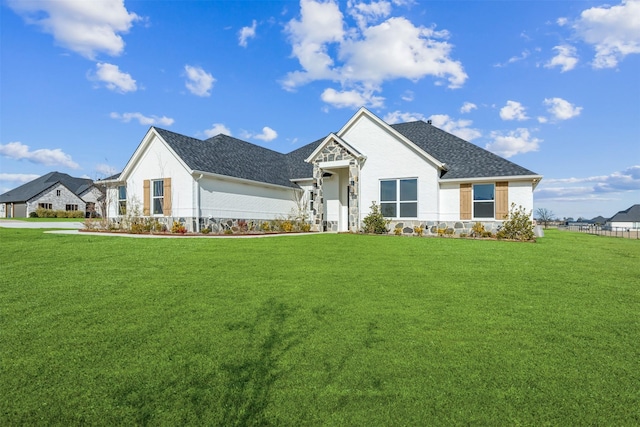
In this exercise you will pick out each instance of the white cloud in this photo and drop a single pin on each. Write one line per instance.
(142, 119)
(267, 134)
(562, 109)
(614, 32)
(591, 186)
(85, 27)
(43, 156)
(467, 107)
(247, 33)
(408, 96)
(18, 177)
(460, 128)
(562, 22)
(513, 111)
(565, 58)
(199, 82)
(217, 129)
(514, 142)
(402, 117)
(114, 79)
(351, 98)
(524, 55)
(365, 13)
(327, 49)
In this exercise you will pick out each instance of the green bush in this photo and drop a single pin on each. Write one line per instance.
(375, 222)
(33, 215)
(518, 227)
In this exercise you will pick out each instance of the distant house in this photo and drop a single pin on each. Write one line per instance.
(599, 220)
(417, 174)
(55, 191)
(627, 219)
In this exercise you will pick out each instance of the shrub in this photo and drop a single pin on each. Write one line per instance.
(477, 230)
(265, 226)
(305, 227)
(519, 225)
(463, 235)
(375, 222)
(418, 230)
(205, 230)
(286, 226)
(228, 231)
(177, 227)
(397, 231)
(449, 231)
(441, 231)
(33, 214)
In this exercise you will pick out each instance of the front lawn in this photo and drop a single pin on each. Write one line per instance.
(318, 330)
(44, 219)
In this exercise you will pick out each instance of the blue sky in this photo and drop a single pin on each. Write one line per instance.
(552, 85)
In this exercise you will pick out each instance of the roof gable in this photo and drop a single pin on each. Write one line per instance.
(364, 114)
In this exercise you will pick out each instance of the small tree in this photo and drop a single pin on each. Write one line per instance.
(544, 215)
(519, 225)
(375, 222)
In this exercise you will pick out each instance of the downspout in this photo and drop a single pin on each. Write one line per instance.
(196, 198)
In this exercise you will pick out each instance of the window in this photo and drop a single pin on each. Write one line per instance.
(71, 207)
(484, 200)
(58, 193)
(158, 197)
(311, 199)
(45, 206)
(122, 200)
(399, 198)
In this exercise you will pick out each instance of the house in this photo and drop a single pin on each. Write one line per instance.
(55, 191)
(599, 220)
(628, 219)
(417, 174)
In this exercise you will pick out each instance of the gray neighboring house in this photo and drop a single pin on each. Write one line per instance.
(627, 219)
(56, 191)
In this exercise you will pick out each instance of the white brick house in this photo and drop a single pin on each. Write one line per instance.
(417, 173)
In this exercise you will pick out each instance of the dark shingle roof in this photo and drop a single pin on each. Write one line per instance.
(230, 156)
(463, 159)
(33, 188)
(629, 215)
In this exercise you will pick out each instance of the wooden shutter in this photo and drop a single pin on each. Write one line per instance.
(166, 208)
(146, 197)
(465, 201)
(502, 200)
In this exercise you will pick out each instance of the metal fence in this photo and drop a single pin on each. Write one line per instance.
(628, 233)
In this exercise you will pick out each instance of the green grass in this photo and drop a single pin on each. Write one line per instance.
(44, 219)
(318, 330)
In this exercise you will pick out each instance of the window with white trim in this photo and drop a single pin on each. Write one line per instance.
(122, 200)
(158, 197)
(399, 198)
(484, 197)
(71, 207)
(45, 206)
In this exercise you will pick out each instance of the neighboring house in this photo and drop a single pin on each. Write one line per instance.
(56, 191)
(417, 173)
(599, 220)
(627, 219)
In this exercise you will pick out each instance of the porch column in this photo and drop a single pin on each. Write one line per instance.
(318, 199)
(354, 191)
